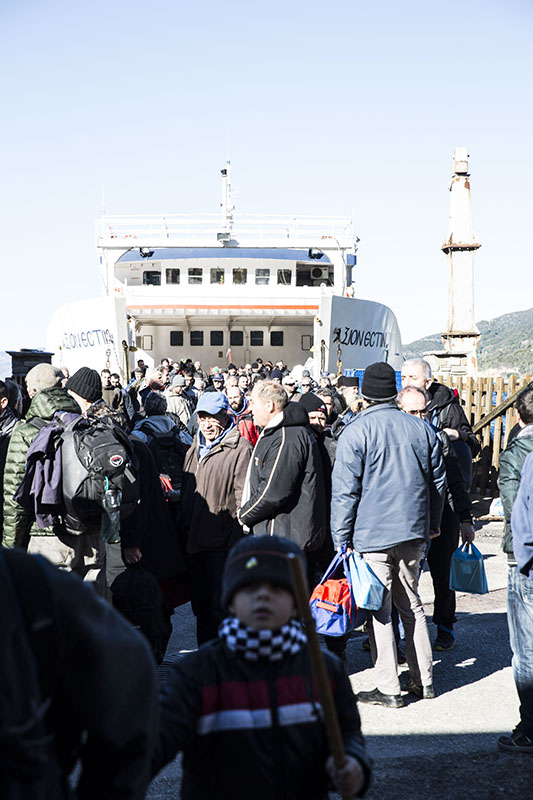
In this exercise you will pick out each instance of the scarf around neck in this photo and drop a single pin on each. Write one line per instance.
(253, 644)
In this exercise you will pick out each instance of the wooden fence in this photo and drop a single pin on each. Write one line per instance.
(488, 406)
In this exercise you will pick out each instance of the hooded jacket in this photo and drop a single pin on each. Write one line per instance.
(18, 523)
(211, 492)
(388, 481)
(444, 411)
(286, 483)
(511, 463)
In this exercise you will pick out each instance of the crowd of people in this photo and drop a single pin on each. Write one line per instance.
(233, 469)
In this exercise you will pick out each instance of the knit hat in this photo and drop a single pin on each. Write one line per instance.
(86, 383)
(379, 382)
(43, 376)
(276, 373)
(346, 380)
(255, 559)
(212, 403)
(312, 403)
(178, 380)
(155, 403)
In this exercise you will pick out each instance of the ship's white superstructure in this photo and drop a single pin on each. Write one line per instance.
(213, 288)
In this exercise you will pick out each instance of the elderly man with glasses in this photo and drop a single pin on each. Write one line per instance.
(456, 518)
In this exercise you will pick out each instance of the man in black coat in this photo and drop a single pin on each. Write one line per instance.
(284, 492)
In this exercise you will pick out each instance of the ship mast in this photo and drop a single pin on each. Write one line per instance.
(226, 234)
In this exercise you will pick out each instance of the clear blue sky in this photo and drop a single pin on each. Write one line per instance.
(328, 107)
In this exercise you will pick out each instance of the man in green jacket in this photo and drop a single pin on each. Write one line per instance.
(511, 463)
(44, 387)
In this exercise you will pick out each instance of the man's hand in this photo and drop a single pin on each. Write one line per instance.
(132, 555)
(468, 533)
(434, 534)
(452, 433)
(349, 778)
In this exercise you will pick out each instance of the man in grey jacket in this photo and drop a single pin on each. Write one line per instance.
(388, 490)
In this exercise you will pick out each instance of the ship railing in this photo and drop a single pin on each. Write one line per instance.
(117, 231)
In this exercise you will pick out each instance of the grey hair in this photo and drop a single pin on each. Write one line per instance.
(270, 390)
(419, 362)
(406, 389)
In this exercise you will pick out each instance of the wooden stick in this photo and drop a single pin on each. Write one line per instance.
(320, 675)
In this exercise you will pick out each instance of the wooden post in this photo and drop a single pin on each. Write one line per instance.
(497, 440)
(510, 416)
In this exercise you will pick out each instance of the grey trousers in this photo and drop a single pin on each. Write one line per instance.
(84, 555)
(398, 569)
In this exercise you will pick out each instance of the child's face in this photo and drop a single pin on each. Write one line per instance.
(263, 606)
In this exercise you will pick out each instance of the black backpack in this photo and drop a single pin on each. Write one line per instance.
(137, 595)
(29, 666)
(96, 456)
(169, 455)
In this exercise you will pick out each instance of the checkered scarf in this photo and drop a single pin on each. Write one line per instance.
(253, 644)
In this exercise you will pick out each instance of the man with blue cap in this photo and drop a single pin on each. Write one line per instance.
(213, 479)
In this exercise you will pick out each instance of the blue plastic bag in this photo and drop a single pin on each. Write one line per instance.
(467, 571)
(367, 588)
(332, 603)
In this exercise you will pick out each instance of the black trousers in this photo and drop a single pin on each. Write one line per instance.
(439, 559)
(206, 590)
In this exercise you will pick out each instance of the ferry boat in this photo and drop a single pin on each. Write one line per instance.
(220, 288)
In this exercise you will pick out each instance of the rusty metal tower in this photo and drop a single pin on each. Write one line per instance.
(461, 338)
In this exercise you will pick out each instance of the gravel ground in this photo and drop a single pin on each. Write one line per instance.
(445, 747)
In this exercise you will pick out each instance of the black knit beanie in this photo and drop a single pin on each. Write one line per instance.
(255, 559)
(312, 403)
(86, 383)
(379, 382)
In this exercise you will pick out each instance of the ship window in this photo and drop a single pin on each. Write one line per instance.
(256, 338)
(236, 338)
(173, 275)
(176, 338)
(197, 338)
(240, 275)
(217, 338)
(262, 277)
(195, 274)
(217, 275)
(284, 277)
(307, 342)
(152, 277)
(276, 338)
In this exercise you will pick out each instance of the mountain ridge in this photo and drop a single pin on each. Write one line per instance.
(505, 347)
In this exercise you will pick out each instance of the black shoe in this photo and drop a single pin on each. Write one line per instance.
(516, 743)
(424, 692)
(377, 698)
(444, 641)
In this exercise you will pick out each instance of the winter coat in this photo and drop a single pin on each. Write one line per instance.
(211, 493)
(99, 683)
(251, 729)
(511, 463)
(179, 405)
(388, 480)
(18, 523)
(8, 420)
(522, 522)
(444, 411)
(286, 483)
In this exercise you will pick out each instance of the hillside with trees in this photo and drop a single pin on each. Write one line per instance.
(506, 345)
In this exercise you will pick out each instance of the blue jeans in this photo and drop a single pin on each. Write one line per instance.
(520, 619)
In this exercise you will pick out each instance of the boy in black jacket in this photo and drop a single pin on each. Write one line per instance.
(244, 709)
